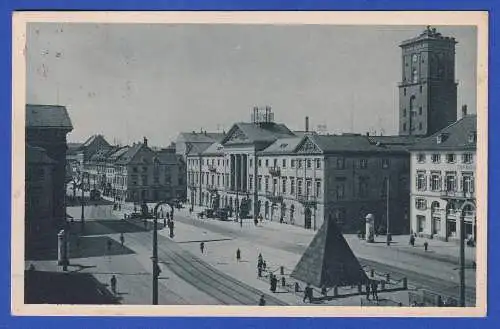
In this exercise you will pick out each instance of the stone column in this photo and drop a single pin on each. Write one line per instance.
(232, 164)
(238, 172)
(243, 172)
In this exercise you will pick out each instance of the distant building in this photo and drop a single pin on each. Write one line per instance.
(46, 130)
(137, 173)
(443, 168)
(188, 141)
(263, 169)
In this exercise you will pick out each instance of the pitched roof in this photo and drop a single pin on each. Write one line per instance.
(283, 145)
(37, 155)
(197, 137)
(214, 149)
(197, 148)
(166, 156)
(254, 133)
(47, 116)
(129, 154)
(95, 138)
(352, 143)
(329, 261)
(454, 137)
(117, 153)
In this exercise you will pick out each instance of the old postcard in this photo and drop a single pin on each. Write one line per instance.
(252, 163)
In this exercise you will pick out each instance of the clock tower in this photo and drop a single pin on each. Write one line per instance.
(428, 91)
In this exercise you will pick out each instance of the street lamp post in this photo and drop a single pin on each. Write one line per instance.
(155, 258)
(388, 237)
(462, 260)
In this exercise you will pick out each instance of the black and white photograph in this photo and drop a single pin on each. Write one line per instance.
(308, 163)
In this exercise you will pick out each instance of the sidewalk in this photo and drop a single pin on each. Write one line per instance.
(220, 252)
(438, 250)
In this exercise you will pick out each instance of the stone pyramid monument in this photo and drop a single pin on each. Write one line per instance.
(329, 261)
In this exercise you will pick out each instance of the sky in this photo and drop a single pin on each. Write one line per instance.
(127, 81)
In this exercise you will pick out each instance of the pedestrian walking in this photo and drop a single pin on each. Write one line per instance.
(202, 247)
(368, 291)
(426, 245)
(307, 293)
(109, 244)
(113, 284)
(375, 290)
(262, 301)
(122, 239)
(412, 240)
(238, 255)
(256, 221)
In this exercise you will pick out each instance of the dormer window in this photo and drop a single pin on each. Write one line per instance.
(472, 137)
(441, 138)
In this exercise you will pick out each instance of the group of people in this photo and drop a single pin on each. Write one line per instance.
(372, 286)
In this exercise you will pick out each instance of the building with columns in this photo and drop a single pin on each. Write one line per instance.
(266, 170)
(443, 170)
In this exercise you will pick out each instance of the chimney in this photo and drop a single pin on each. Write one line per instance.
(145, 141)
(307, 124)
(464, 110)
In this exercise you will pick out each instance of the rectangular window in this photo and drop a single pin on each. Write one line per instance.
(308, 187)
(436, 158)
(250, 182)
(259, 187)
(267, 162)
(251, 162)
(318, 163)
(275, 163)
(420, 204)
(266, 182)
(363, 163)
(421, 181)
(468, 183)
(467, 158)
(283, 163)
(450, 158)
(340, 163)
(144, 180)
(363, 187)
(299, 163)
(421, 158)
(260, 163)
(299, 187)
(420, 223)
(283, 185)
(451, 181)
(435, 182)
(292, 185)
(385, 163)
(318, 188)
(309, 163)
(292, 163)
(218, 180)
(340, 191)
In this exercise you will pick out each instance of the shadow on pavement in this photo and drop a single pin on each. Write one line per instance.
(108, 226)
(84, 247)
(65, 288)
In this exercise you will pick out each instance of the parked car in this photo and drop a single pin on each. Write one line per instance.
(222, 214)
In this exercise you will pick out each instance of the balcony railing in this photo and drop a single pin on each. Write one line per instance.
(274, 171)
(212, 168)
(274, 197)
(307, 200)
(457, 194)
